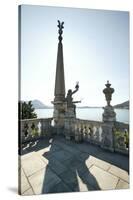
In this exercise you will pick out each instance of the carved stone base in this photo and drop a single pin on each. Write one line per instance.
(70, 113)
(69, 127)
(59, 116)
(109, 114)
(68, 137)
(107, 136)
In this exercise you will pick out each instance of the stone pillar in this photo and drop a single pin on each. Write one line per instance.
(59, 92)
(109, 118)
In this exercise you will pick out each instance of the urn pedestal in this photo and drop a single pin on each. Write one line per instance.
(109, 118)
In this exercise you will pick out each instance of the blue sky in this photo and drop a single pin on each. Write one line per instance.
(95, 47)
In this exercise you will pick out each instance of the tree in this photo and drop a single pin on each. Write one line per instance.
(26, 110)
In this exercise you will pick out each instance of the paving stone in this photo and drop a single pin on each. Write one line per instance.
(69, 149)
(42, 151)
(28, 155)
(70, 178)
(45, 160)
(83, 187)
(103, 179)
(28, 192)
(43, 180)
(67, 163)
(119, 173)
(24, 184)
(82, 157)
(77, 166)
(119, 160)
(95, 161)
(60, 187)
(62, 155)
(32, 164)
(122, 185)
(89, 148)
(57, 166)
(65, 166)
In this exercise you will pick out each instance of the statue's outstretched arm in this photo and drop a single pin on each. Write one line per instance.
(76, 88)
(75, 91)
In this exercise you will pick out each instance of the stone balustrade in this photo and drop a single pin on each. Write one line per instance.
(114, 137)
(90, 131)
(111, 136)
(32, 129)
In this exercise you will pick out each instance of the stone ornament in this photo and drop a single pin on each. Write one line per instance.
(108, 91)
(60, 31)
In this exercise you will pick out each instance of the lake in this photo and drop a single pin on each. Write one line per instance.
(122, 115)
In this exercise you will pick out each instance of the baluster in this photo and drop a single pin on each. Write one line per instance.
(100, 134)
(33, 131)
(94, 132)
(26, 130)
(88, 132)
(39, 128)
(77, 132)
(97, 134)
(91, 132)
(85, 132)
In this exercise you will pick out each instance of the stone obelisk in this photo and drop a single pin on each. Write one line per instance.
(59, 92)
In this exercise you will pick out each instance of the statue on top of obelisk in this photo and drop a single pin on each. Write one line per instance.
(60, 31)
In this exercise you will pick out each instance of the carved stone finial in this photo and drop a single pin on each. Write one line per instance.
(60, 31)
(108, 91)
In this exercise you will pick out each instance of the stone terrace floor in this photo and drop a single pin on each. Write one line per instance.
(57, 165)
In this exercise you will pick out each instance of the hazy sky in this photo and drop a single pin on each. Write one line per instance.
(95, 47)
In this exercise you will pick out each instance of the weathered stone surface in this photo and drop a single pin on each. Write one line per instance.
(109, 115)
(107, 136)
(104, 180)
(27, 156)
(119, 173)
(62, 155)
(85, 167)
(60, 78)
(43, 181)
(32, 164)
(83, 187)
(28, 192)
(77, 167)
(122, 185)
(97, 162)
(60, 187)
(57, 166)
(24, 184)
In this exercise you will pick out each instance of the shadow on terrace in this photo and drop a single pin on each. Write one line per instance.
(72, 167)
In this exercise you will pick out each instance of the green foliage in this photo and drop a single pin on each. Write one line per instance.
(117, 134)
(127, 139)
(26, 110)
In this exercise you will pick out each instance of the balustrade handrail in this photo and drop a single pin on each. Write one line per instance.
(121, 125)
(89, 121)
(36, 119)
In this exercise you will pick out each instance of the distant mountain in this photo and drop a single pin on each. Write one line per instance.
(89, 107)
(38, 104)
(124, 105)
